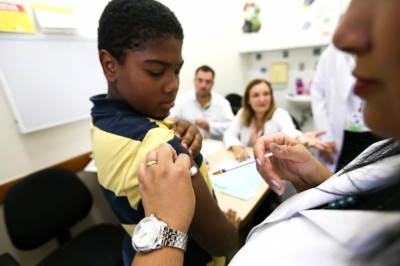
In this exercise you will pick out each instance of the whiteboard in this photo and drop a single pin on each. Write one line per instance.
(49, 82)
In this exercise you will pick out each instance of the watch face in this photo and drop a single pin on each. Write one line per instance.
(145, 234)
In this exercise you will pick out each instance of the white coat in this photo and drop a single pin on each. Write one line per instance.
(219, 113)
(294, 234)
(332, 98)
(239, 135)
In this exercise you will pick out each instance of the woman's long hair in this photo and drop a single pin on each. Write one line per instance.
(248, 112)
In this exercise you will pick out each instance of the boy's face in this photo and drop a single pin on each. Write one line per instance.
(149, 79)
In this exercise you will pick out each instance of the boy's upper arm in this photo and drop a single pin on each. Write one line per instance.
(209, 228)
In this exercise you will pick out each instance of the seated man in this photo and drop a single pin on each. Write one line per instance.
(210, 111)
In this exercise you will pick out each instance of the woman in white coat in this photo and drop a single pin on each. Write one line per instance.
(337, 110)
(260, 116)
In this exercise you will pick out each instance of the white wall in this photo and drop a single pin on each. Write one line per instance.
(211, 31)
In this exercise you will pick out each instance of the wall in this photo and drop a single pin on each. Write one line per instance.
(307, 57)
(211, 37)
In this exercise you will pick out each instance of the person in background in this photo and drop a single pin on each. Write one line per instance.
(140, 51)
(337, 110)
(210, 111)
(352, 217)
(260, 116)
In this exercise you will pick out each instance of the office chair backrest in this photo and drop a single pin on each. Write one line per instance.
(236, 102)
(6, 259)
(45, 205)
(296, 122)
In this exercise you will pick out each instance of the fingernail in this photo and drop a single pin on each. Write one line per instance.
(277, 192)
(258, 162)
(277, 148)
(275, 185)
(184, 145)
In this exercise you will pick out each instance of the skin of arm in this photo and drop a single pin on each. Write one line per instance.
(292, 161)
(161, 199)
(216, 234)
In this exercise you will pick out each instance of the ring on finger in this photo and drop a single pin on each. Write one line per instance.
(151, 163)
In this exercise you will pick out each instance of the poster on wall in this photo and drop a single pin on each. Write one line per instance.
(285, 24)
(268, 25)
(317, 22)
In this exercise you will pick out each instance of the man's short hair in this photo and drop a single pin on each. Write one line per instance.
(205, 68)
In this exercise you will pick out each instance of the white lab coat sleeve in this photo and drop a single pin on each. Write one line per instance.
(232, 134)
(225, 119)
(319, 96)
(284, 123)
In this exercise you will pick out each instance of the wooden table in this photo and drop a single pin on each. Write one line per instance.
(244, 209)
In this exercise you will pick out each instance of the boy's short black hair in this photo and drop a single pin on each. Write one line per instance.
(135, 24)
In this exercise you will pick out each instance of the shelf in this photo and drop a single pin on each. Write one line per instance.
(300, 101)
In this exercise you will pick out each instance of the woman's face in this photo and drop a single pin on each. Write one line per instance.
(260, 98)
(371, 30)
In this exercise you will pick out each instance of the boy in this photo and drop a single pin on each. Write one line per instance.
(140, 45)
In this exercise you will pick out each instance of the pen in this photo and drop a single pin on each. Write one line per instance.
(239, 165)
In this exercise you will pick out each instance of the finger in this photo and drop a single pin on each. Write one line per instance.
(335, 150)
(261, 147)
(319, 146)
(271, 178)
(294, 153)
(166, 154)
(151, 156)
(180, 128)
(183, 160)
(141, 176)
(189, 136)
(196, 144)
(319, 133)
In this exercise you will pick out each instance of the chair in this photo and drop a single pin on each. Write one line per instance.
(236, 102)
(7, 260)
(296, 122)
(44, 205)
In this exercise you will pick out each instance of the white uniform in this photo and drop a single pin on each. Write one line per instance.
(218, 113)
(239, 135)
(335, 107)
(295, 235)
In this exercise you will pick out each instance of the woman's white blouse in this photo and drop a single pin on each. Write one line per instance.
(294, 234)
(239, 135)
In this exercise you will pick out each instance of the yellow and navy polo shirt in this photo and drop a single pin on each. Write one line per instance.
(121, 138)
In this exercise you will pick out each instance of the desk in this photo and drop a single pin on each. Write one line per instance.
(244, 209)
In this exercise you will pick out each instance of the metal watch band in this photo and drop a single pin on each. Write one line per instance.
(174, 238)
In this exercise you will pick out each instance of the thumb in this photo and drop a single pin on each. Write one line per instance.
(296, 153)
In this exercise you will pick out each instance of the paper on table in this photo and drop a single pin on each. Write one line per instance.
(209, 148)
(241, 183)
(90, 167)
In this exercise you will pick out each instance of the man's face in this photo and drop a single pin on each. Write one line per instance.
(203, 82)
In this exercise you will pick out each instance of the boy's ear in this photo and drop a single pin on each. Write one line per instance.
(109, 65)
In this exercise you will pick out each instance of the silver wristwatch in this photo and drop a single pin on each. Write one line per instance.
(151, 233)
